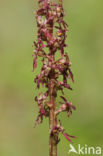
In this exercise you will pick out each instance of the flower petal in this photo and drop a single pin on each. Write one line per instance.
(34, 62)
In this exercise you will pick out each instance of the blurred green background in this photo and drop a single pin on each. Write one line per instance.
(17, 108)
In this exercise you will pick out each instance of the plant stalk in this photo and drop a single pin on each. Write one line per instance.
(52, 117)
(52, 123)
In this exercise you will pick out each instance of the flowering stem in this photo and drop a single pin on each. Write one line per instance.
(51, 39)
(52, 123)
(52, 117)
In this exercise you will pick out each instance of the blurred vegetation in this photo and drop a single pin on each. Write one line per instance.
(17, 108)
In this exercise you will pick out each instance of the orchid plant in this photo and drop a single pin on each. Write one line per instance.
(50, 42)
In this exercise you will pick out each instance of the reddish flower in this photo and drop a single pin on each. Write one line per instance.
(59, 129)
(34, 62)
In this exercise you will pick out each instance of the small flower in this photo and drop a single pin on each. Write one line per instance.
(43, 110)
(59, 129)
(34, 61)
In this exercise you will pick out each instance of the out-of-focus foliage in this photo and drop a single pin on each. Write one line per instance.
(17, 108)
